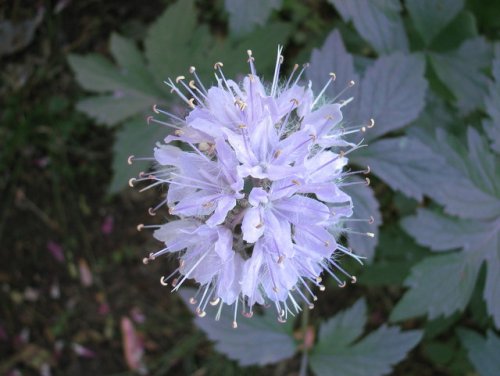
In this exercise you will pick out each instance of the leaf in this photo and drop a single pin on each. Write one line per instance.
(396, 253)
(392, 92)
(365, 206)
(133, 138)
(258, 340)
(439, 285)
(373, 355)
(440, 232)
(461, 72)
(332, 57)
(431, 16)
(469, 184)
(492, 102)
(16, 36)
(113, 109)
(345, 327)
(482, 352)
(245, 15)
(398, 161)
(492, 287)
(377, 21)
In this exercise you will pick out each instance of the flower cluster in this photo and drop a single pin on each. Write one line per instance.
(255, 177)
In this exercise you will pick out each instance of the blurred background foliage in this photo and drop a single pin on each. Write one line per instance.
(78, 79)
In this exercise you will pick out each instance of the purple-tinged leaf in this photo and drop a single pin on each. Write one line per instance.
(333, 57)
(365, 206)
(245, 15)
(377, 21)
(258, 340)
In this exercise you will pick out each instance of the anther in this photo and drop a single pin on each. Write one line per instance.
(155, 109)
(152, 256)
(342, 285)
(319, 279)
(242, 126)
(131, 182)
(145, 260)
(130, 159)
(333, 76)
(151, 212)
(370, 234)
(277, 153)
(371, 220)
(218, 65)
(294, 101)
(281, 259)
(295, 181)
(163, 281)
(235, 324)
(311, 306)
(371, 124)
(259, 225)
(281, 319)
(171, 210)
(354, 279)
(192, 300)
(215, 302)
(322, 288)
(368, 170)
(192, 69)
(204, 146)
(179, 78)
(178, 132)
(202, 314)
(191, 103)
(140, 226)
(275, 289)
(192, 84)
(363, 129)
(248, 315)
(352, 83)
(367, 181)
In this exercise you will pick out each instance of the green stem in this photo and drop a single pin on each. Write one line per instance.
(304, 359)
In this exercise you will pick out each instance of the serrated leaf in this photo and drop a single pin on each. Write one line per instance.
(398, 161)
(440, 232)
(377, 21)
(439, 285)
(133, 138)
(245, 15)
(332, 57)
(258, 340)
(461, 72)
(396, 253)
(372, 355)
(365, 206)
(392, 92)
(492, 126)
(480, 238)
(482, 352)
(432, 16)
(345, 327)
(469, 185)
(113, 109)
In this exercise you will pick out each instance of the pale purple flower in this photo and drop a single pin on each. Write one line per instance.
(257, 191)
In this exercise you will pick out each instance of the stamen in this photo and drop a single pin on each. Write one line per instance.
(192, 70)
(160, 111)
(279, 60)
(295, 67)
(251, 62)
(330, 80)
(349, 85)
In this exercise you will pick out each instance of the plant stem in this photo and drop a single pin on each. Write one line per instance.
(304, 359)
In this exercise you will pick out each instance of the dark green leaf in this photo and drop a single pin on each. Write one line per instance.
(134, 138)
(461, 72)
(372, 355)
(439, 285)
(483, 352)
(492, 126)
(431, 16)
